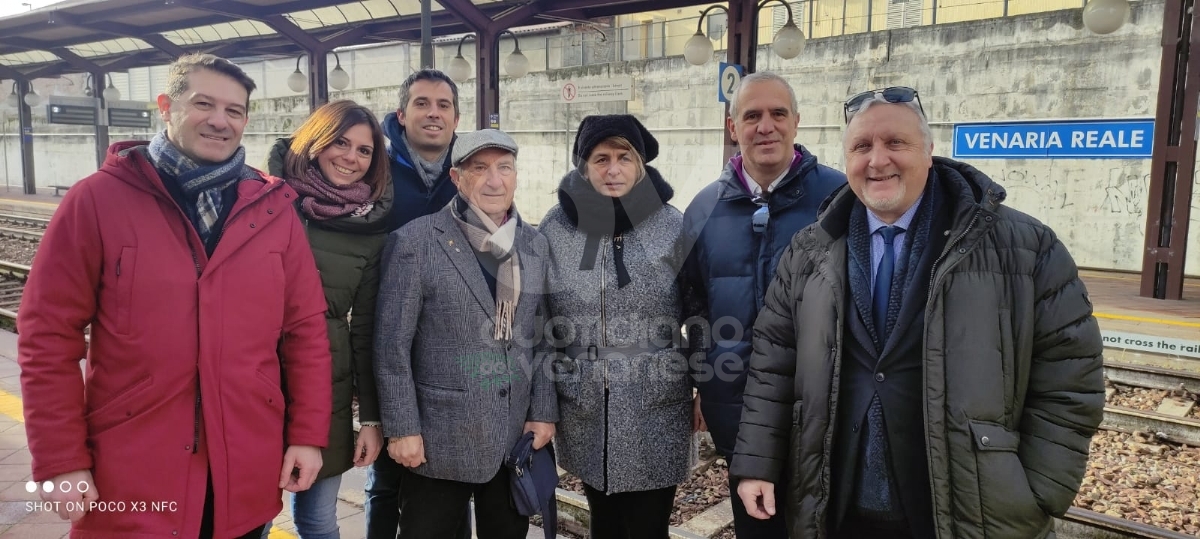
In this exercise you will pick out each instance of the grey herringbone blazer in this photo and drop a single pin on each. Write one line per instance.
(439, 372)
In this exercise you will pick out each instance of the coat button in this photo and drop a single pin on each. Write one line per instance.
(187, 448)
(270, 211)
(879, 377)
(174, 532)
(287, 195)
(251, 225)
(503, 392)
(856, 427)
(984, 441)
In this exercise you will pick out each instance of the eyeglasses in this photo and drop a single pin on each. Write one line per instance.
(758, 221)
(893, 94)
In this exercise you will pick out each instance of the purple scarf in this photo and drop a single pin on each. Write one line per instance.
(321, 200)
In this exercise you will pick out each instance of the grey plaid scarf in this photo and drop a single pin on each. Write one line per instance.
(485, 237)
(201, 183)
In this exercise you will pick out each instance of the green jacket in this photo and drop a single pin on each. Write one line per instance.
(1013, 374)
(347, 251)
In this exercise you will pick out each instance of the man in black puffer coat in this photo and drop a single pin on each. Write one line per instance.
(927, 363)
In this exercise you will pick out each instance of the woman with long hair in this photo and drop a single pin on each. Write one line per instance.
(625, 401)
(337, 162)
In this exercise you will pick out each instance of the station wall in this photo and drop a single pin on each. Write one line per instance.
(1028, 67)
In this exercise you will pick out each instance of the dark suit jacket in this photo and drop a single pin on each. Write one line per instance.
(439, 372)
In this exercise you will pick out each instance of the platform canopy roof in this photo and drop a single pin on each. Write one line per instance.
(116, 35)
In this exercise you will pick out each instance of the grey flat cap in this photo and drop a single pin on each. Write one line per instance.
(472, 142)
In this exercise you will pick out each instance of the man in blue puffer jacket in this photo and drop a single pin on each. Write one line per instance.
(734, 233)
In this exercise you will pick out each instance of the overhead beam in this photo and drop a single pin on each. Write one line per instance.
(117, 29)
(10, 73)
(295, 33)
(74, 59)
(517, 16)
(468, 12)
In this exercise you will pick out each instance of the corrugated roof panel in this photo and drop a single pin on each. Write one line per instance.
(30, 57)
(110, 46)
(218, 32)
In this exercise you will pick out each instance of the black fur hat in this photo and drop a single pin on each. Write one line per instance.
(594, 129)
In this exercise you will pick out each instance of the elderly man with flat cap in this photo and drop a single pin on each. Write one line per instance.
(458, 380)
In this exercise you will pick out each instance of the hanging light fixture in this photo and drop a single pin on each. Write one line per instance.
(459, 68)
(517, 64)
(12, 100)
(789, 40)
(338, 78)
(788, 43)
(1105, 16)
(87, 85)
(297, 81)
(32, 98)
(111, 93)
(699, 49)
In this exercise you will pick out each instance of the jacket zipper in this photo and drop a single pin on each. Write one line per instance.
(603, 343)
(932, 281)
(196, 410)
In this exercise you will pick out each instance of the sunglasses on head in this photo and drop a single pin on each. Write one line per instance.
(761, 216)
(893, 94)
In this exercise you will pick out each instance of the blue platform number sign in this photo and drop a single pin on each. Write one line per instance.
(27, 134)
(728, 76)
(1077, 139)
(494, 120)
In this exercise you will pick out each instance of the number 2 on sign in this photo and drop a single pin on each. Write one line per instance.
(730, 75)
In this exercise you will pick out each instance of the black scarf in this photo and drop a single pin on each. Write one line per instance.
(598, 215)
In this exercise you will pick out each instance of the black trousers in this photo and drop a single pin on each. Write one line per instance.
(206, 521)
(432, 508)
(383, 500)
(630, 515)
(853, 529)
(748, 527)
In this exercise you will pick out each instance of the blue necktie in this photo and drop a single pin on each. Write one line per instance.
(883, 281)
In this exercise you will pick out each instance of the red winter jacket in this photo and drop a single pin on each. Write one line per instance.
(187, 353)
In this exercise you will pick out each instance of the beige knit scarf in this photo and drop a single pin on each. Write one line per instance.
(485, 237)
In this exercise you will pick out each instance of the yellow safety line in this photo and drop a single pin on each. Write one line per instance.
(10, 406)
(277, 533)
(1148, 320)
(29, 203)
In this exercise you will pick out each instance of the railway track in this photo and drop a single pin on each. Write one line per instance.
(22, 228)
(1083, 524)
(1167, 427)
(12, 283)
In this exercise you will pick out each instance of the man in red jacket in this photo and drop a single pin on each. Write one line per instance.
(207, 382)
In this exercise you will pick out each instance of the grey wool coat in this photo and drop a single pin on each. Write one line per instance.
(638, 437)
(439, 372)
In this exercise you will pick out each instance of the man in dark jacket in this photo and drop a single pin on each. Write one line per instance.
(734, 232)
(927, 364)
(420, 137)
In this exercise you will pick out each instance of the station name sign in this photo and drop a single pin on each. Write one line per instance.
(1080, 139)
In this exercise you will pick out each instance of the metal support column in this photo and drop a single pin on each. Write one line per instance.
(743, 48)
(1174, 154)
(318, 79)
(487, 79)
(25, 120)
(426, 34)
(102, 123)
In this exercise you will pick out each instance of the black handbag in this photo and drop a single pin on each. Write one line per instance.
(533, 477)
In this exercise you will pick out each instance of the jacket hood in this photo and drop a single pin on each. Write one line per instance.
(396, 148)
(734, 185)
(125, 157)
(967, 188)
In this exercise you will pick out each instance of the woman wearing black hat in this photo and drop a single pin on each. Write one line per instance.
(623, 389)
